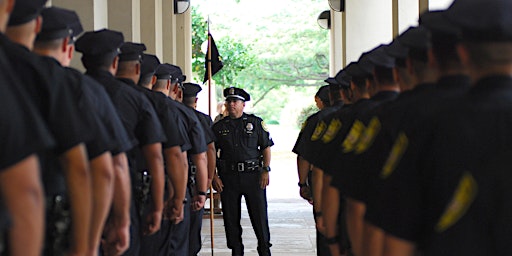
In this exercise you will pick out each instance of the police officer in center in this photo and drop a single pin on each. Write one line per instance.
(243, 143)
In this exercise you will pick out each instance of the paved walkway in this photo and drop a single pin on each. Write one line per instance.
(292, 230)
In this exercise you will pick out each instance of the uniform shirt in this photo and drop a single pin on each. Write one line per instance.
(193, 128)
(104, 108)
(136, 113)
(241, 139)
(381, 128)
(58, 104)
(206, 123)
(167, 117)
(318, 127)
(23, 131)
(325, 131)
(349, 134)
(432, 186)
(101, 141)
(405, 112)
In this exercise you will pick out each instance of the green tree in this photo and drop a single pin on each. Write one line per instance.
(235, 55)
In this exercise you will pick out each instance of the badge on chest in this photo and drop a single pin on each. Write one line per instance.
(249, 127)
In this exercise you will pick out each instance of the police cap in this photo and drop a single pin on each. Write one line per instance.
(343, 79)
(354, 70)
(171, 72)
(131, 51)
(415, 37)
(397, 50)
(99, 43)
(437, 23)
(237, 93)
(25, 11)
(379, 57)
(479, 20)
(191, 89)
(149, 64)
(59, 23)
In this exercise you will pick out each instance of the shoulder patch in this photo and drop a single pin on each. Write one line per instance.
(303, 125)
(319, 130)
(264, 126)
(397, 151)
(368, 136)
(353, 136)
(461, 200)
(332, 130)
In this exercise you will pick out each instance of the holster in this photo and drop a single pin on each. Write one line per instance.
(58, 225)
(141, 185)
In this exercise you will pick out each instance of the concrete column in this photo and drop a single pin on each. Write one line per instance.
(368, 24)
(405, 14)
(183, 34)
(151, 26)
(124, 16)
(423, 5)
(168, 32)
(337, 46)
(93, 15)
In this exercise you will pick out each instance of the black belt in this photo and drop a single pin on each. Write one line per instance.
(245, 166)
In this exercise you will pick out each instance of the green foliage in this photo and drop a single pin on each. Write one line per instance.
(273, 53)
(235, 55)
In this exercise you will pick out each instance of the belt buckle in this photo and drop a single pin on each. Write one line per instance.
(240, 167)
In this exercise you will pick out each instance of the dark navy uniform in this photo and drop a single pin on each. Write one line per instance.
(240, 142)
(23, 131)
(434, 194)
(135, 111)
(190, 91)
(45, 81)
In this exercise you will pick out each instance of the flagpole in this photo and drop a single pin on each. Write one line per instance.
(209, 66)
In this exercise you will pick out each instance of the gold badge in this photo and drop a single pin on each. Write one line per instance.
(462, 198)
(231, 91)
(332, 130)
(319, 130)
(368, 136)
(353, 136)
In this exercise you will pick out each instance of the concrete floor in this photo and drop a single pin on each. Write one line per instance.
(292, 230)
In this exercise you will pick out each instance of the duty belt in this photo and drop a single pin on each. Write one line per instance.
(192, 174)
(245, 166)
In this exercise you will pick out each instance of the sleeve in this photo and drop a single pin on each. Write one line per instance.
(23, 131)
(65, 119)
(264, 139)
(170, 125)
(196, 134)
(149, 129)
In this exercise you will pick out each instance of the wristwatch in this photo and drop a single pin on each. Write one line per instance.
(266, 168)
(301, 185)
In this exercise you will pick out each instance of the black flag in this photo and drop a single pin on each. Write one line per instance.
(215, 59)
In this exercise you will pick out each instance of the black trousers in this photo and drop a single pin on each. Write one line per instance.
(196, 223)
(180, 232)
(248, 185)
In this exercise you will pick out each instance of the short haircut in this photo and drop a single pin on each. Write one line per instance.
(53, 44)
(145, 79)
(98, 62)
(189, 101)
(487, 54)
(384, 75)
